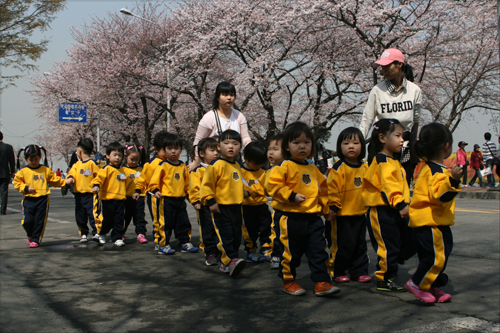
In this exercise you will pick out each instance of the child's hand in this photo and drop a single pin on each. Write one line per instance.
(197, 206)
(158, 195)
(330, 215)
(95, 189)
(246, 194)
(405, 212)
(136, 196)
(456, 172)
(299, 198)
(31, 190)
(70, 181)
(214, 208)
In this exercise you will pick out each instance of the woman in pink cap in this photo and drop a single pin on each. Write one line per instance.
(396, 97)
(221, 118)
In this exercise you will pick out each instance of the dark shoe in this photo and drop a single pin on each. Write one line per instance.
(3, 213)
(391, 284)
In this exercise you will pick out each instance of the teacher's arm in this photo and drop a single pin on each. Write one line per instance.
(416, 112)
(203, 131)
(369, 114)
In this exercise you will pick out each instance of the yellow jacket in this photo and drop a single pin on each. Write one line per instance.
(433, 202)
(250, 178)
(195, 179)
(83, 172)
(112, 183)
(345, 183)
(222, 183)
(170, 179)
(39, 178)
(292, 178)
(385, 183)
(133, 175)
(142, 184)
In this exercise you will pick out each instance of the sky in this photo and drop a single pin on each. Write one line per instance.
(19, 123)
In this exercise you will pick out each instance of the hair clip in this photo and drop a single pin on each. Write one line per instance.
(27, 149)
(375, 126)
(129, 147)
(140, 147)
(392, 122)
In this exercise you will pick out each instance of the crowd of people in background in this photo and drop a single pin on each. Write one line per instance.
(317, 209)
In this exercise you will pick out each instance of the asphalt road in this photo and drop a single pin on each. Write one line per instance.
(66, 286)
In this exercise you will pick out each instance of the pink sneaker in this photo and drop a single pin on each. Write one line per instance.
(423, 295)
(123, 238)
(440, 295)
(33, 244)
(141, 239)
(341, 279)
(364, 278)
(29, 240)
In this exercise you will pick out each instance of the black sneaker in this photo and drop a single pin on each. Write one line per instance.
(391, 284)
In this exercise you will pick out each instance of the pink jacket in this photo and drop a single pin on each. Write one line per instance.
(461, 156)
(208, 127)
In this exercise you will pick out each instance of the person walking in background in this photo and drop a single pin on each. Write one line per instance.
(462, 160)
(7, 172)
(489, 154)
(223, 117)
(476, 163)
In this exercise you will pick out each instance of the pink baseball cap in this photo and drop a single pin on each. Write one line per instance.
(389, 56)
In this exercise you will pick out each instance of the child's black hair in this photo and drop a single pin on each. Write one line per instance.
(385, 127)
(136, 148)
(431, 140)
(255, 152)
(114, 146)
(171, 141)
(293, 131)
(230, 135)
(350, 133)
(30, 151)
(86, 145)
(487, 136)
(159, 138)
(276, 137)
(206, 143)
(222, 88)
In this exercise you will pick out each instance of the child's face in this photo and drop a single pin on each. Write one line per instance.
(448, 149)
(173, 153)
(161, 153)
(351, 148)
(253, 165)
(133, 159)
(79, 153)
(300, 148)
(274, 154)
(115, 158)
(33, 161)
(393, 142)
(209, 154)
(476, 149)
(229, 149)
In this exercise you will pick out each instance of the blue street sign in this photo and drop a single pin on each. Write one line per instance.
(72, 113)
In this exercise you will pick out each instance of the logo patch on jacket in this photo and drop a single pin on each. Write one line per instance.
(358, 182)
(35, 177)
(87, 173)
(306, 178)
(236, 175)
(177, 176)
(81, 171)
(251, 182)
(131, 176)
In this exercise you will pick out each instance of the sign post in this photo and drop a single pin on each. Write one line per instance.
(72, 113)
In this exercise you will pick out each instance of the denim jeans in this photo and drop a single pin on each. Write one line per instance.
(490, 178)
(477, 175)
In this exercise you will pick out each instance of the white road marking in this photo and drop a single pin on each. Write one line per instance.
(49, 219)
(456, 324)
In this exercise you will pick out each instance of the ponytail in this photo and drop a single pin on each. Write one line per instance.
(408, 72)
(18, 163)
(29, 151)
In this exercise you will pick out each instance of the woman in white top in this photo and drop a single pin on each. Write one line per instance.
(221, 118)
(396, 97)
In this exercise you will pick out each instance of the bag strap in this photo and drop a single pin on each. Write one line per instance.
(217, 120)
(487, 145)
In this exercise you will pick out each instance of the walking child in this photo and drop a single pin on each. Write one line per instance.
(346, 232)
(476, 163)
(432, 213)
(86, 202)
(300, 191)
(256, 215)
(111, 184)
(134, 209)
(141, 186)
(170, 185)
(386, 194)
(33, 181)
(207, 151)
(222, 191)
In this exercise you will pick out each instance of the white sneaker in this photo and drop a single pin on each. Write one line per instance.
(84, 239)
(102, 239)
(95, 237)
(119, 243)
